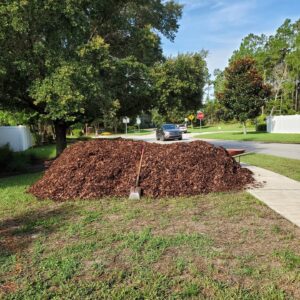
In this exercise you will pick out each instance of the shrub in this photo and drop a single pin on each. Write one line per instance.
(6, 155)
(132, 128)
(261, 127)
(37, 139)
(261, 123)
(77, 132)
(14, 161)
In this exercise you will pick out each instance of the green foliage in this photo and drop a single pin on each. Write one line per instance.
(261, 119)
(68, 60)
(215, 112)
(261, 124)
(219, 81)
(261, 127)
(14, 161)
(77, 132)
(157, 118)
(179, 83)
(244, 93)
(6, 155)
(42, 152)
(281, 107)
(278, 59)
(8, 118)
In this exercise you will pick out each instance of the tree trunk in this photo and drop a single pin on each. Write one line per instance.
(61, 136)
(244, 128)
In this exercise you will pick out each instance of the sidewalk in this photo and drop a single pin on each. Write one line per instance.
(280, 193)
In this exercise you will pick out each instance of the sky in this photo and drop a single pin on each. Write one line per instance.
(220, 25)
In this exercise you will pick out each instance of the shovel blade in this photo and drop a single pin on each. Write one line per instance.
(135, 193)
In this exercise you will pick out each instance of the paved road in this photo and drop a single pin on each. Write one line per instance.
(282, 150)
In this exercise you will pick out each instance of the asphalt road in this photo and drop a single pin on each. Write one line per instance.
(282, 150)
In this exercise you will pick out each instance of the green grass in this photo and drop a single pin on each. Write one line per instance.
(284, 166)
(42, 152)
(220, 127)
(206, 247)
(255, 136)
(136, 132)
(141, 132)
(49, 151)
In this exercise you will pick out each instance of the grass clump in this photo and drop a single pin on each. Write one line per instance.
(284, 166)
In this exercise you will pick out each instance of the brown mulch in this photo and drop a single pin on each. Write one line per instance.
(93, 169)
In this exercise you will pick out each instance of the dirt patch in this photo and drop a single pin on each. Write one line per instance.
(98, 168)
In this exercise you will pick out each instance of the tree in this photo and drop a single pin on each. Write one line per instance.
(59, 58)
(253, 46)
(179, 83)
(293, 62)
(277, 57)
(244, 92)
(219, 81)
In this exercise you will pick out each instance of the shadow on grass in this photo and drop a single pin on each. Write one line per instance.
(16, 234)
(19, 181)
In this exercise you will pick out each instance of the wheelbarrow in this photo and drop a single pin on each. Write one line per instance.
(237, 153)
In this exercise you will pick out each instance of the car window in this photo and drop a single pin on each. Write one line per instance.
(169, 126)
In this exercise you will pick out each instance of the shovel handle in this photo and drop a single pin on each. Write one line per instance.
(140, 166)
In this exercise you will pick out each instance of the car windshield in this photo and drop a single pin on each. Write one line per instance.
(169, 126)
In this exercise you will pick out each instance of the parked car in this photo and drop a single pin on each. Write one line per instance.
(168, 132)
(182, 128)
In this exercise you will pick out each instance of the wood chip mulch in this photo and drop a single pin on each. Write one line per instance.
(93, 169)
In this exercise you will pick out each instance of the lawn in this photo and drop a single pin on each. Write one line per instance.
(42, 152)
(141, 132)
(220, 127)
(284, 166)
(293, 138)
(215, 246)
(133, 132)
(49, 151)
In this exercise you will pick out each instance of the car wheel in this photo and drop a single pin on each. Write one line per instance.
(180, 139)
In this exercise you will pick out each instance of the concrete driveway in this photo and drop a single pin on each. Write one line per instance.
(282, 150)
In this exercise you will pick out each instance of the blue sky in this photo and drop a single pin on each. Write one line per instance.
(219, 25)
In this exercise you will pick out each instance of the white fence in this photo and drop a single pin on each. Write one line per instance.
(283, 124)
(18, 137)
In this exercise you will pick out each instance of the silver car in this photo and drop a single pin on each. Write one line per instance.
(182, 128)
(168, 132)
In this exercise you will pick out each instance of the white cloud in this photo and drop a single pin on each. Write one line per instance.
(190, 5)
(231, 14)
(218, 59)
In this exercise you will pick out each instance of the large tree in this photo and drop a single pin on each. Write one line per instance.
(277, 57)
(244, 91)
(179, 83)
(67, 60)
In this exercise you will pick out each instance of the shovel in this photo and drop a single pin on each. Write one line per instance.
(135, 191)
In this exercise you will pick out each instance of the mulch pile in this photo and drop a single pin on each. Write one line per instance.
(93, 169)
